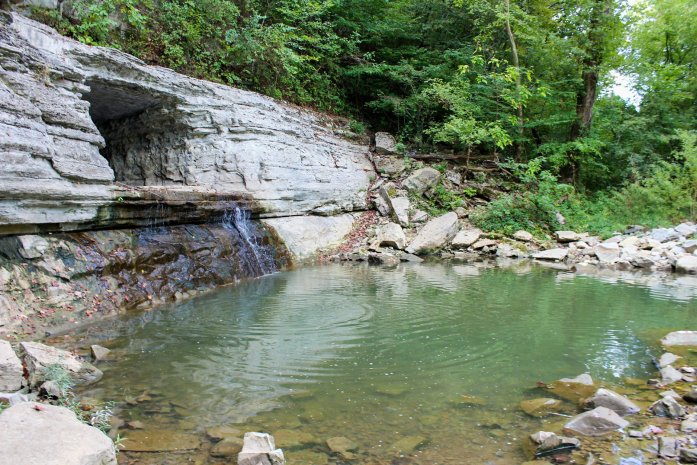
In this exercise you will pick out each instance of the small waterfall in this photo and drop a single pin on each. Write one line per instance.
(258, 259)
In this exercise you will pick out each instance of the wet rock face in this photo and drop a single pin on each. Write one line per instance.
(99, 272)
(76, 118)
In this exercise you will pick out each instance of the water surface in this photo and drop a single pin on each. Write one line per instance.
(440, 351)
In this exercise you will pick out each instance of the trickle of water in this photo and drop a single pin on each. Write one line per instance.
(256, 257)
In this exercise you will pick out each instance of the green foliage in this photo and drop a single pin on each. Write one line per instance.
(60, 376)
(533, 207)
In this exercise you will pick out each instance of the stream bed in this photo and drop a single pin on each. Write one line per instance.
(417, 364)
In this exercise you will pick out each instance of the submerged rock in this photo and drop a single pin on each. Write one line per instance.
(573, 389)
(616, 402)
(228, 447)
(408, 444)
(40, 434)
(260, 449)
(546, 443)
(159, 440)
(541, 407)
(596, 422)
(37, 357)
(10, 368)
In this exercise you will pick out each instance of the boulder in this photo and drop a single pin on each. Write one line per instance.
(664, 234)
(607, 253)
(690, 397)
(10, 368)
(390, 167)
(631, 241)
(615, 402)
(41, 434)
(383, 258)
(596, 422)
(680, 338)
(690, 246)
(37, 357)
(523, 236)
(306, 235)
(686, 229)
(260, 449)
(465, 238)
(422, 180)
(391, 235)
(400, 207)
(551, 254)
(667, 407)
(549, 443)
(568, 236)
(385, 143)
(435, 234)
(670, 375)
(688, 455)
(668, 359)
(573, 389)
(419, 216)
(686, 264)
(510, 251)
(32, 246)
(99, 352)
(484, 242)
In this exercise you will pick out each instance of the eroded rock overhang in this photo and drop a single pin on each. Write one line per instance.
(93, 138)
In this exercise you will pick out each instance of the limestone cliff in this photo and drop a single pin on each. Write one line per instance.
(91, 137)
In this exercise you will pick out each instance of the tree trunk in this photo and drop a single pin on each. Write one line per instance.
(518, 84)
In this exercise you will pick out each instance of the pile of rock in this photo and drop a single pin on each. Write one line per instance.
(665, 431)
(35, 432)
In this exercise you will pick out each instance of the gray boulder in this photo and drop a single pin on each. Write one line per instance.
(551, 254)
(385, 143)
(670, 375)
(400, 207)
(568, 236)
(465, 238)
(260, 449)
(99, 352)
(668, 359)
(680, 338)
(391, 235)
(667, 407)
(664, 234)
(686, 229)
(435, 234)
(607, 253)
(41, 434)
(10, 368)
(32, 246)
(37, 357)
(614, 401)
(422, 180)
(686, 264)
(523, 236)
(596, 422)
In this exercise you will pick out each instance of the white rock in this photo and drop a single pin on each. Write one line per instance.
(10, 368)
(385, 143)
(607, 253)
(306, 235)
(686, 264)
(551, 254)
(614, 401)
(630, 241)
(583, 378)
(686, 229)
(568, 236)
(670, 375)
(32, 246)
(435, 234)
(484, 242)
(523, 236)
(260, 449)
(400, 210)
(668, 359)
(422, 180)
(465, 238)
(690, 245)
(664, 234)
(41, 434)
(419, 216)
(596, 422)
(391, 235)
(37, 357)
(680, 338)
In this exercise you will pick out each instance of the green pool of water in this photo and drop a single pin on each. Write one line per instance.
(442, 352)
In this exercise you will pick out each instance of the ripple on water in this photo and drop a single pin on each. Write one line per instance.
(435, 351)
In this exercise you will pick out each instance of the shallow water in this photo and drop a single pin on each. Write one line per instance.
(440, 351)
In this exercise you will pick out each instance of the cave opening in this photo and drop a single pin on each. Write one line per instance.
(140, 132)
